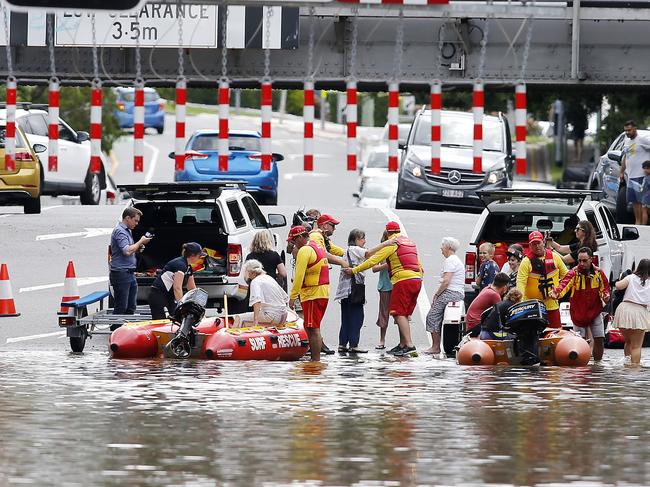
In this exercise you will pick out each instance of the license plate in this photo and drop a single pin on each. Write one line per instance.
(453, 193)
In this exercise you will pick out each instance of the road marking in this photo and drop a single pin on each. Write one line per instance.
(35, 337)
(152, 164)
(289, 176)
(423, 300)
(89, 232)
(82, 281)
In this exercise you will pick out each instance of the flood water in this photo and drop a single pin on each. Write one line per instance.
(85, 420)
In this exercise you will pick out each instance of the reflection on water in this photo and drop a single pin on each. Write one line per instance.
(85, 420)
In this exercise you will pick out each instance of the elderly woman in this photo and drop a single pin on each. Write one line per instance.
(451, 288)
(269, 301)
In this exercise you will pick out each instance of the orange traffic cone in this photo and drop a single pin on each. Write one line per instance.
(7, 306)
(70, 288)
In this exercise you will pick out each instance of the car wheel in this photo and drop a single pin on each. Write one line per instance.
(77, 344)
(622, 214)
(32, 206)
(93, 190)
(160, 129)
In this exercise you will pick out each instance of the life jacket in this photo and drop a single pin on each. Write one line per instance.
(406, 257)
(321, 260)
(586, 302)
(543, 268)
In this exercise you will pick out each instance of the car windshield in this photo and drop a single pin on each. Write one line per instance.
(515, 227)
(378, 159)
(148, 96)
(457, 131)
(377, 190)
(210, 142)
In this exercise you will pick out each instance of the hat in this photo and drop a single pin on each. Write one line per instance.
(392, 227)
(295, 231)
(193, 248)
(515, 253)
(535, 237)
(325, 218)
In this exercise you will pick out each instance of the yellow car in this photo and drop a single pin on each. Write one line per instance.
(22, 186)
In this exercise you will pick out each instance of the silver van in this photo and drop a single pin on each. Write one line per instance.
(456, 185)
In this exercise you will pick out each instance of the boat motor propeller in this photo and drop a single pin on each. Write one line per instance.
(188, 313)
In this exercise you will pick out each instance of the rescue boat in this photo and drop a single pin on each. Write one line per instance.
(556, 347)
(189, 335)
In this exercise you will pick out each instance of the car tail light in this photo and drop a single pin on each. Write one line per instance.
(234, 259)
(120, 107)
(23, 156)
(470, 267)
(196, 155)
(162, 105)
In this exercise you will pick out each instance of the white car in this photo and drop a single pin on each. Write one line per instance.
(73, 176)
(376, 164)
(378, 192)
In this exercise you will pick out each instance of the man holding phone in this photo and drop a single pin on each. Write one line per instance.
(122, 264)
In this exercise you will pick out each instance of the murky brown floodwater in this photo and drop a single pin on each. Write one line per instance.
(86, 420)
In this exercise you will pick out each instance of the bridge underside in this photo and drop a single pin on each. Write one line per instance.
(597, 52)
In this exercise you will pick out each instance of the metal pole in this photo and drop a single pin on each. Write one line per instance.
(575, 40)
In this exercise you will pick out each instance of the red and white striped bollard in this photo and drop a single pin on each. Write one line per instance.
(179, 142)
(520, 128)
(138, 128)
(96, 127)
(53, 126)
(478, 108)
(308, 117)
(393, 121)
(351, 119)
(10, 131)
(224, 113)
(436, 107)
(266, 106)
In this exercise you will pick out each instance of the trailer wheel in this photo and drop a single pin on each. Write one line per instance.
(77, 344)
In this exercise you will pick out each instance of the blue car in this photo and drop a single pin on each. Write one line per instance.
(244, 163)
(154, 109)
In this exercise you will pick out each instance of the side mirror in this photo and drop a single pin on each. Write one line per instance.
(401, 145)
(276, 220)
(630, 233)
(82, 136)
(356, 195)
(39, 148)
(172, 155)
(278, 157)
(615, 155)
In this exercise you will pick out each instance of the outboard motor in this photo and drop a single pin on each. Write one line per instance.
(527, 320)
(189, 312)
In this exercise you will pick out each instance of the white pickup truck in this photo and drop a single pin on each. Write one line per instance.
(221, 216)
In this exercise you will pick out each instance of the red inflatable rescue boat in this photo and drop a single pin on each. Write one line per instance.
(212, 340)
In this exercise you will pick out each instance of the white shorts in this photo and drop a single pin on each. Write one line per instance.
(268, 317)
(597, 328)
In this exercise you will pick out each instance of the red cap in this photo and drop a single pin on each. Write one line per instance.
(535, 237)
(295, 231)
(325, 218)
(392, 227)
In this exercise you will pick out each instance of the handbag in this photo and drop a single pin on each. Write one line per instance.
(357, 291)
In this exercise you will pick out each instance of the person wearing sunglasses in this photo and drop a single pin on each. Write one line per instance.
(586, 235)
(590, 292)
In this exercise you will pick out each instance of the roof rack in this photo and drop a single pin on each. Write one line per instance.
(27, 105)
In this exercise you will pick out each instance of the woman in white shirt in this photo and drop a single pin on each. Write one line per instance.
(269, 301)
(451, 288)
(633, 314)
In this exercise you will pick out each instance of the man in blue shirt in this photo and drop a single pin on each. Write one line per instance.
(122, 268)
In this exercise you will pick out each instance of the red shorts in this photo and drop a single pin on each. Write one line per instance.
(553, 317)
(404, 297)
(313, 312)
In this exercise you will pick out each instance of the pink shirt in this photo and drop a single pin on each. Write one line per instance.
(486, 298)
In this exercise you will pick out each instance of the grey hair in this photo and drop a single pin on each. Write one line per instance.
(451, 243)
(254, 267)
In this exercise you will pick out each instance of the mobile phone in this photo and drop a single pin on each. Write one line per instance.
(149, 235)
